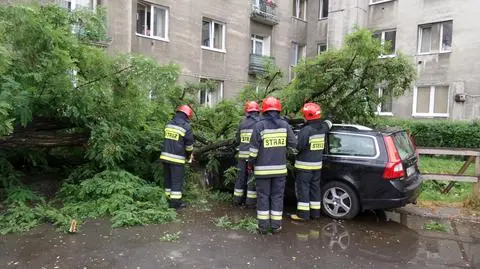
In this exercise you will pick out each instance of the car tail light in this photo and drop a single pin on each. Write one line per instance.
(394, 167)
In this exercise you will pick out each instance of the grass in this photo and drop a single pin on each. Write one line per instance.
(460, 193)
(248, 224)
(171, 237)
(436, 226)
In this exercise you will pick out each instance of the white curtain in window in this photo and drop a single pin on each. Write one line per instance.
(217, 36)
(159, 22)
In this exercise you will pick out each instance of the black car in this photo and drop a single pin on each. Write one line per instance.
(363, 169)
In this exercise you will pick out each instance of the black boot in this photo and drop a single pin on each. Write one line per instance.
(177, 204)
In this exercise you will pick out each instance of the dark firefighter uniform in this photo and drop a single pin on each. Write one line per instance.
(268, 151)
(308, 163)
(244, 133)
(177, 147)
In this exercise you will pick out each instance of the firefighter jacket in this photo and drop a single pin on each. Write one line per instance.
(244, 134)
(178, 140)
(311, 142)
(268, 147)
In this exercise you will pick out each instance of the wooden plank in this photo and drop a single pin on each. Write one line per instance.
(476, 186)
(462, 170)
(443, 177)
(449, 151)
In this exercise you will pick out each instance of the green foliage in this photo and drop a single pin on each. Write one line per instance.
(19, 218)
(248, 223)
(230, 175)
(345, 81)
(171, 237)
(127, 198)
(218, 196)
(438, 133)
(436, 226)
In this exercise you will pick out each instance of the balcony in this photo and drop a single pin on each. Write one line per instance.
(257, 64)
(263, 11)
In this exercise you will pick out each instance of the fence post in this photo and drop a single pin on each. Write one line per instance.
(476, 186)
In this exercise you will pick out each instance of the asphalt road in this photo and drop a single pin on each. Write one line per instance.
(373, 240)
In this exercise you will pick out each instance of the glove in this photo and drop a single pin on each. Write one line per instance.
(249, 167)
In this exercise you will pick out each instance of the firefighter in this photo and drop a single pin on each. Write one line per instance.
(268, 158)
(244, 134)
(177, 147)
(308, 163)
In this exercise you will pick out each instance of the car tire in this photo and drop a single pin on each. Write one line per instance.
(339, 201)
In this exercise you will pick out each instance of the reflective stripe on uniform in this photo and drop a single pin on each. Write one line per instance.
(276, 215)
(270, 170)
(179, 129)
(246, 131)
(238, 192)
(189, 148)
(167, 192)
(176, 195)
(269, 131)
(314, 137)
(303, 206)
(315, 205)
(308, 165)
(243, 154)
(263, 215)
(172, 158)
(253, 152)
(251, 194)
(275, 135)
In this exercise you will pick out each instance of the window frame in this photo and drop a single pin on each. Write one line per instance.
(297, 47)
(379, 2)
(439, 38)
(297, 10)
(208, 92)
(382, 41)
(211, 23)
(375, 141)
(321, 9)
(73, 4)
(152, 14)
(320, 44)
(256, 38)
(379, 106)
(431, 105)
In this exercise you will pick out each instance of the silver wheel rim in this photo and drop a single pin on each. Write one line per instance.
(337, 202)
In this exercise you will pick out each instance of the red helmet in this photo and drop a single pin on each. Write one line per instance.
(251, 106)
(312, 111)
(186, 109)
(271, 104)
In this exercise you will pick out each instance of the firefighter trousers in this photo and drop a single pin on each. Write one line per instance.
(307, 185)
(174, 180)
(243, 187)
(270, 192)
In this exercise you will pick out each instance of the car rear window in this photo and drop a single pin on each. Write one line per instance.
(404, 145)
(351, 145)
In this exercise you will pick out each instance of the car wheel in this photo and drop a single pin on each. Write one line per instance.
(339, 201)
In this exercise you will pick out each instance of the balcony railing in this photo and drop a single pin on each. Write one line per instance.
(264, 12)
(257, 64)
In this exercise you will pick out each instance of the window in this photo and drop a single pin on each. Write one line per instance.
(388, 40)
(323, 11)
(213, 34)
(436, 37)
(210, 97)
(352, 145)
(300, 9)
(298, 52)
(75, 4)
(385, 107)
(321, 47)
(152, 21)
(258, 47)
(430, 101)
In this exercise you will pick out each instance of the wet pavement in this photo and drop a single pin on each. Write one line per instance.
(373, 240)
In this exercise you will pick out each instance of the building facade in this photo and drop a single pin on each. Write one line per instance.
(229, 40)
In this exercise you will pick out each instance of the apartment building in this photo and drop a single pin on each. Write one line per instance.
(229, 40)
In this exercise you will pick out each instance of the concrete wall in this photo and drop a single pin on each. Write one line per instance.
(460, 69)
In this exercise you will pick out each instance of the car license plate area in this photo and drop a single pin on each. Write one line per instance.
(411, 170)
